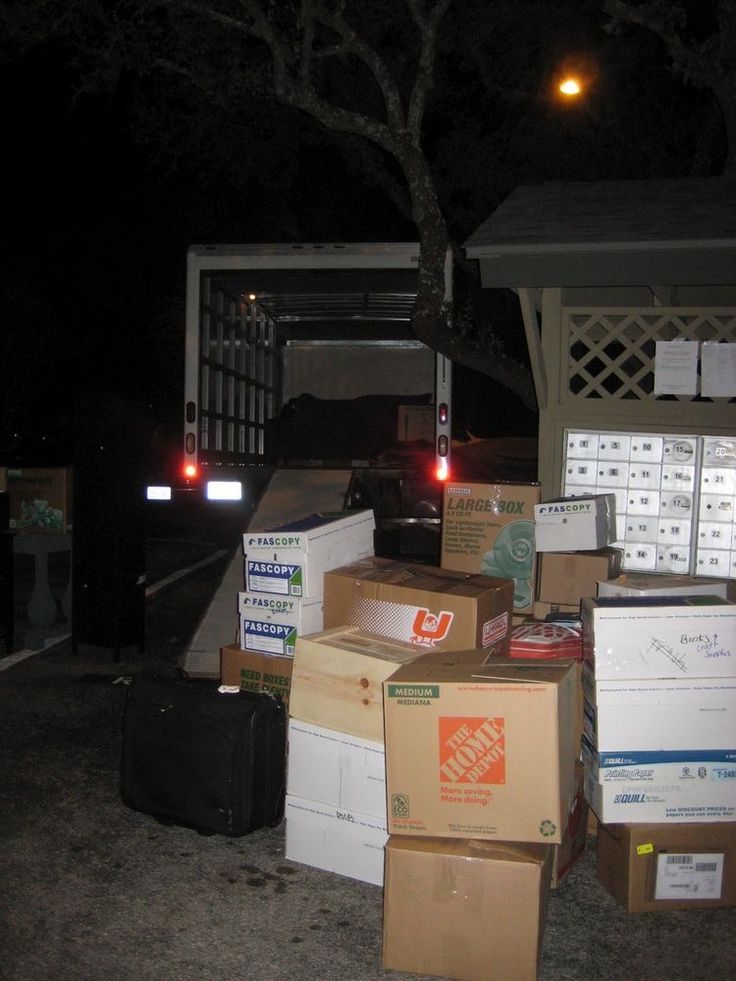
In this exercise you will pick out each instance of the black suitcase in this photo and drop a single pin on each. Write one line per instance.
(207, 760)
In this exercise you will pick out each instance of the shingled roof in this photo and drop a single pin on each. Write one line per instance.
(611, 232)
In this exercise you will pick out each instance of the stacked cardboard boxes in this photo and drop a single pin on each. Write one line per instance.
(378, 614)
(283, 599)
(659, 746)
(481, 782)
(336, 790)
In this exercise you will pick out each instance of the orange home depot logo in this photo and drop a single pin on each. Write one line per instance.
(472, 750)
(430, 629)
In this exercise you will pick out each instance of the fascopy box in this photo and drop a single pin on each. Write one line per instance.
(40, 498)
(271, 623)
(661, 786)
(643, 584)
(575, 523)
(462, 908)
(291, 560)
(659, 714)
(480, 747)
(424, 605)
(336, 768)
(567, 577)
(660, 637)
(254, 671)
(338, 678)
(488, 529)
(330, 838)
(659, 867)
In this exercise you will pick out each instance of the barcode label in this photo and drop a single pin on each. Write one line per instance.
(691, 876)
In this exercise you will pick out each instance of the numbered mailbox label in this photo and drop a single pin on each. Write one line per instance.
(718, 452)
(582, 446)
(612, 475)
(674, 532)
(718, 480)
(643, 502)
(678, 478)
(640, 557)
(674, 559)
(583, 473)
(678, 504)
(647, 449)
(679, 449)
(613, 446)
(715, 534)
(716, 508)
(645, 475)
(640, 528)
(711, 562)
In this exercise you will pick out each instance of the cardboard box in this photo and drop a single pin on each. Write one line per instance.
(644, 584)
(326, 837)
(567, 577)
(572, 846)
(420, 604)
(271, 624)
(651, 868)
(660, 637)
(541, 610)
(416, 422)
(336, 768)
(291, 560)
(481, 747)
(659, 714)
(661, 787)
(488, 529)
(40, 499)
(465, 909)
(338, 678)
(254, 671)
(571, 524)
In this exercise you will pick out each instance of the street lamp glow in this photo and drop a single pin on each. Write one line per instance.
(570, 87)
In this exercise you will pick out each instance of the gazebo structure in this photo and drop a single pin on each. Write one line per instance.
(614, 280)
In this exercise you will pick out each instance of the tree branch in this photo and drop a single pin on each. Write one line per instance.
(428, 26)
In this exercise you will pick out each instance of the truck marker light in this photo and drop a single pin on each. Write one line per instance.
(190, 471)
(442, 414)
(443, 471)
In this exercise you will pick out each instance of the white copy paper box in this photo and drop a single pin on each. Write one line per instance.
(291, 560)
(336, 768)
(575, 523)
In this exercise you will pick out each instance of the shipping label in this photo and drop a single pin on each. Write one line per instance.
(689, 876)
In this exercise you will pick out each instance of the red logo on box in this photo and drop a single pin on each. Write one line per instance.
(472, 750)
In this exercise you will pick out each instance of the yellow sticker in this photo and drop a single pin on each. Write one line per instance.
(645, 849)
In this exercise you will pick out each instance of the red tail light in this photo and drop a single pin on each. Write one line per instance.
(190, 471)
(443, 471)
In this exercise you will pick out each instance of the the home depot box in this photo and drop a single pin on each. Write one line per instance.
(653, 867)
(330, 838)
(480, 748)
(291, 560)
(338, 679)
(568, 577)
(253, 671)
(660, 636)
(643, 584)
(489, 529)
(40, 498)
(271, 623)
(416, 422)
(572, 523)
(661, 786)
(336, 768)
(465, 909)
(420, 604)
(659, 713)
